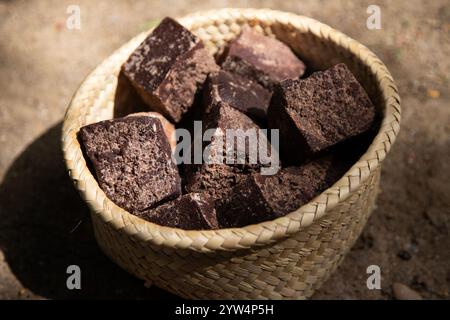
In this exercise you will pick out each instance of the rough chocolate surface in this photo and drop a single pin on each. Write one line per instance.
(319, 112)
(168, 127)
(132, 161)
(193, 211)
(168, 68)
(261, 58)
(218, 179)
(238, 92)
(259, 198)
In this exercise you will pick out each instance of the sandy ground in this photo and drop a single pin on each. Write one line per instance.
(44, 226)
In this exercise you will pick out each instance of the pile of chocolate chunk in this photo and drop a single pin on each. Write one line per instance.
(322, 121)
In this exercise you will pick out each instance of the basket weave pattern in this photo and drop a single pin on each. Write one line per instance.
(289, 257)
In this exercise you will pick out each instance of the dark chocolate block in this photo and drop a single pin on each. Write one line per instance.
(319, 112)
(168, 68)
(168, 127)
(193, 211)
(132, 160)
(238, 92)
(261, 58)
(259, 198)
(217, 179)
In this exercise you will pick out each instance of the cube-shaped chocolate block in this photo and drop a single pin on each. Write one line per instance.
(261, 58)
(168, 68)
(238, 92)
(193, 211)
(132, 161)
(319, 112)
(230, 125)
(260, 198)
(231, 154)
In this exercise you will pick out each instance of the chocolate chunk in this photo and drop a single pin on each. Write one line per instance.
(227, 164)
(319, 112)
(215, 180)
(261, 58)
(193, 211)
(169, 128)
(168, 68)
(132, 161)
(259, 198)
(238, 92)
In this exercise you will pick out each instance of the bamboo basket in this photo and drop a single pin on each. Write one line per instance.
(287, 258)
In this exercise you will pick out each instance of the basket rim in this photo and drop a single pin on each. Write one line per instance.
(252, 235)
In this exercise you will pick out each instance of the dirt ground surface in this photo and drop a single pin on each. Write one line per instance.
(45, 226)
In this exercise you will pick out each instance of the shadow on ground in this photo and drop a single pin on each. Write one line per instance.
(45, 227)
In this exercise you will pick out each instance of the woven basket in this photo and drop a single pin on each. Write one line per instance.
(289, 257)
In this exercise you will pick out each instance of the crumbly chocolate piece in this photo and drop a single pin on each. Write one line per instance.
(319, 112)
(215, 180)
(168, 68)
(261, 58)
(219, 176)
(222, 118)
(169, 128)
(132, 160)
(193, 211)
(238, 92)
(259, 198)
